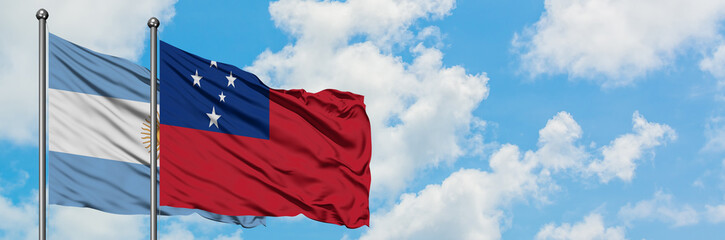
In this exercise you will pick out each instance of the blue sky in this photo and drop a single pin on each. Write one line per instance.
(584, 119)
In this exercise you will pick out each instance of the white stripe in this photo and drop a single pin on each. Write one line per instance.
(97, 126)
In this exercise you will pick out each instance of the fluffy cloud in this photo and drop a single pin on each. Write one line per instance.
(619, 157)
(418, 109)
(19, 220)
(715, 214)
(470, 203)
(333, 23)
(661, 208)
(86, 223)
(195, 227)
(715, 135)
(465, 206)
(715, 64)
(113, 27)
(557, 148)
(617, 39)
(590, 228)
(234, 236)
(176, 232)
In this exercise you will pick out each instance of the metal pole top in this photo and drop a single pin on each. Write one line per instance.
(43, 14)
(153, 22)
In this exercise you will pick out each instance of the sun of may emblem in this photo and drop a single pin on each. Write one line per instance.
(146, 133)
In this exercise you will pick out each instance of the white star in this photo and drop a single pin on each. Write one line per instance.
(213, 117)
(197, 78)
(221, 97)
(231, 79)
(213, 63)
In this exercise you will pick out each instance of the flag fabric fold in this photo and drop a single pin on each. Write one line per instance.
(98, 131)
(233, 146)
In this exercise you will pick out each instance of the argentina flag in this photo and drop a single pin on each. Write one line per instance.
(99, 134)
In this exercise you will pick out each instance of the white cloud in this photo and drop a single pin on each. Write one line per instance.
(465, 206)
(715, 135)
(662, 208)
(177, 232)
(418, 110)
(557, 148)
(715, 64)
(234, 236)
(620, 155)
(195, 227)
(715, 214)
(590, 228)
(616, 39)
(86, 223)
(333, 23)
(19, 220)
(470, 203)
(112, 27)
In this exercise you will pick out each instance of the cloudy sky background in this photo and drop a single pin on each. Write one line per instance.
(557, 119)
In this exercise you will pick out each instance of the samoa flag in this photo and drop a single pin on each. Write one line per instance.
(233, 146)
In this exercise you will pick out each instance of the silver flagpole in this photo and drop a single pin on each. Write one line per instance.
(42, 16)
(153, 23)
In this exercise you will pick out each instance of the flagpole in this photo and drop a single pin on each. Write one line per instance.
(42, 16)
(153, 24)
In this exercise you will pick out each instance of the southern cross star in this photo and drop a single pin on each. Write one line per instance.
(222, 97)
(213, 117)
(231, 79)
(197, 78)
(213, 63)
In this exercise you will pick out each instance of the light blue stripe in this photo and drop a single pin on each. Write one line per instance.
(78, 69)
(114, 187)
